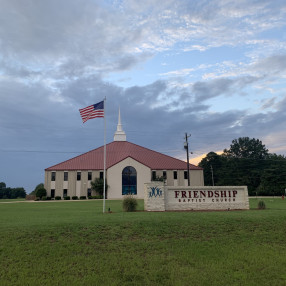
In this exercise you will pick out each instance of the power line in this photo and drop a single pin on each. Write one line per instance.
(41, 151)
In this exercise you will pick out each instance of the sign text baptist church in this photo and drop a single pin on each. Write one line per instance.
(194, 198)
(203, 196)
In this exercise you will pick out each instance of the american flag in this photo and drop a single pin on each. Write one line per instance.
(92, 111)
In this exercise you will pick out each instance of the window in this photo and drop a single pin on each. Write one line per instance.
(165, 175)
(89, 176)
(153, 175)
(186, 175)
(88, 192)
(129, 181)
(78, 176)
(66, 176)
(65, 193)
(100, 175)
(175, 175)
(52, 193)
(53, 176)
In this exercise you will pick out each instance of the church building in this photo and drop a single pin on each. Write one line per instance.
(128, 167)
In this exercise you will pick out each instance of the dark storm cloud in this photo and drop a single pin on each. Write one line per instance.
(56, 125)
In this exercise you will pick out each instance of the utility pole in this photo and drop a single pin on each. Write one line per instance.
(212, 174)
(186, 146)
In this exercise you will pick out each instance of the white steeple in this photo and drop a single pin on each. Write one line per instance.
(119, 134)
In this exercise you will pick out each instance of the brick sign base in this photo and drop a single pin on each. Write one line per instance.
(158, 197)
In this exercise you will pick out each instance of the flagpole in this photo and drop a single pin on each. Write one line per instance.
(104, 159)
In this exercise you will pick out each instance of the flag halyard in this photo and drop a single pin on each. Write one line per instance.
(92, 111)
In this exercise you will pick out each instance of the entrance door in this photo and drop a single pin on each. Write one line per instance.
(129, 181)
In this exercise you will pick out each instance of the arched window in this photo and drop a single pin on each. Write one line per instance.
(129, 181)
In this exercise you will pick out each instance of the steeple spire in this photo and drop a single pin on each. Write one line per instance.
(119, 134)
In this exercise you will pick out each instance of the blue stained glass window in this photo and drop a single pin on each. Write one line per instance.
(129, 181)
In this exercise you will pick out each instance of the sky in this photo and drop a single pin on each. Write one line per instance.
(215, 70)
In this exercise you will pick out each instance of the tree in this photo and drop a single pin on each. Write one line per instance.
(211, 164)
(11, 193)
(39, 186)
(97, 186)
(273, 180)
(2, 185)
(247, 162)
(41, 192)
(17, 193)
(250, 156)
(244, 147)
(5, 193)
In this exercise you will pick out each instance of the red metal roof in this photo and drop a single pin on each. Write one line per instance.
(117, 151)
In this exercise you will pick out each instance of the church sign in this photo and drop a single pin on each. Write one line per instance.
(169, 198)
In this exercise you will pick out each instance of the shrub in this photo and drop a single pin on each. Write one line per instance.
(67, 198)
(49, 198)
(95, 197)
(82, 197)
(261, 205)
(158, 179)
(75, 197)
(44, 198)
(129, 204)
(58, 198)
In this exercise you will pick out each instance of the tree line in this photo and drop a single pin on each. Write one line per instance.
(247, 162)
(11, 193)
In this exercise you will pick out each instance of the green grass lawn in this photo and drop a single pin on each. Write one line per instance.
(73, 243)
(11, 200)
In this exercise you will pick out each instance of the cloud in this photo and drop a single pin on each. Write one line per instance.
(281, 105)
(57, 56)
(220, 86)
(182, 72)
(80, 36)
(269, 103)
(206, 90)
(83, 90)
(92, 35)
(26, 112)
(273, 65)
(219, 23)
(41, 124)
